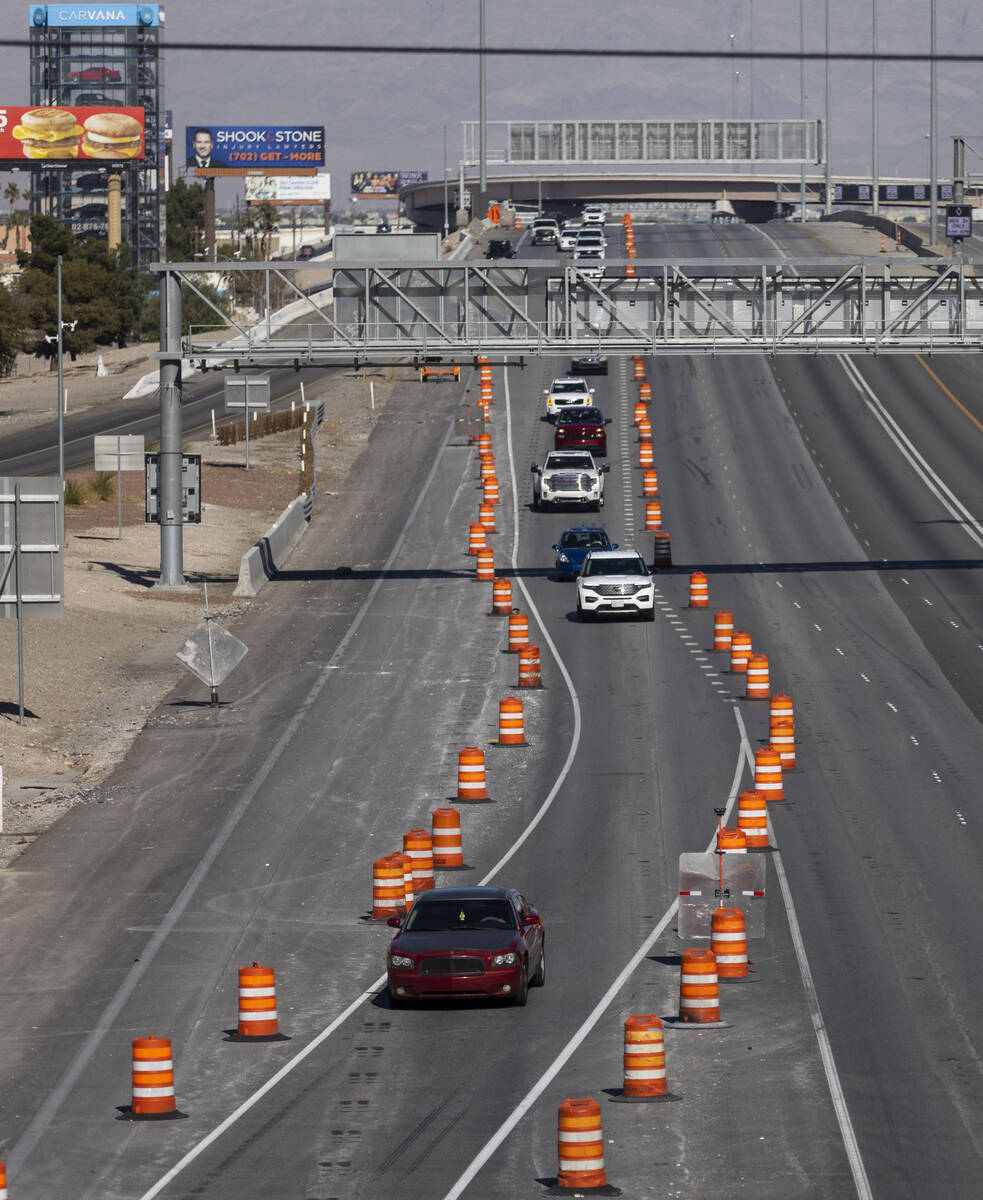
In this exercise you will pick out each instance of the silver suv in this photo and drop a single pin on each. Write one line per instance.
(615, 583)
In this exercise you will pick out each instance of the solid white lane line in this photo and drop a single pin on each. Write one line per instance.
(946, 497)
(558, 1063)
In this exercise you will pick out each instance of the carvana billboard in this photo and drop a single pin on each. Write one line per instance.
(64, 133)
(384, 183)
(254, 145)
(67, 16)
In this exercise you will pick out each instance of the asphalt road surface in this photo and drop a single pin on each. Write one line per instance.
(833, 508)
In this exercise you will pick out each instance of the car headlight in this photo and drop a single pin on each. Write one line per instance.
(561, 557)
(505, 960)
(589, 591)
(400, 960)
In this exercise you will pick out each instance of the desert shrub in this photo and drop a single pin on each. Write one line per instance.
(74, 493)
(104, 486)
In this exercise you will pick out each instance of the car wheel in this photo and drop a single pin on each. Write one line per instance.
(540, 977)
(582, 614)
(598, 505)
(522, 995)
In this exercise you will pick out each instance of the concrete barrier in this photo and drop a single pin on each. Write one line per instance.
(262, 561)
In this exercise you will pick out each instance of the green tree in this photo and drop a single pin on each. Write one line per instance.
(12, 195)
(185, 220)
(194, 310)
(11, 330)
(101, 290)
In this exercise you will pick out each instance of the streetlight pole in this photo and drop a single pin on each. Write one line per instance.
(482, 106)
(61, 390)
(446, 226)
(828, 207)
(802, 104)
(873, 88)
(933, 198)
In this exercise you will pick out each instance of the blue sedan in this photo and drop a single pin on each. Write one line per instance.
(571, 550)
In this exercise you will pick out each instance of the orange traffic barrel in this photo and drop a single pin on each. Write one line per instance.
(740, 652)
(153, 1079)
(476, 538)
(645, 455)
(629, 271)
(644, 1058)
(3, 1181)
(486, 392)
(518, 632)
(644, 392)
(484, 567)
(768, 773)
(650, 482)
(511, 726)
(640, 412)
(662, 549)
(699, 991)
(728, 941)
(388, 895)
(630, 252)
(731, 841)
(699, 590)
(502, 597)
(418, 845)
(752, 819)
(782, 738)
(580, 1145)
(723, 630)
(258, 1019)
(758, 677)
(471, 774)
(409, 891)
(639, 368)
(653, 515)
(489, 486)
(484, 442)
(644, 430)
(487, 466)
(486, 517)
(448, 848)
(530, 675)
(781, 709)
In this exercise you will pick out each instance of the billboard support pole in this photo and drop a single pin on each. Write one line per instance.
(209, 247)
(170, 509)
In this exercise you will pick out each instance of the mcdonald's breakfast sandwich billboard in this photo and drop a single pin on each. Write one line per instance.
(46, 134)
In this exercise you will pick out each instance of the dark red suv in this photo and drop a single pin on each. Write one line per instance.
(580, 428)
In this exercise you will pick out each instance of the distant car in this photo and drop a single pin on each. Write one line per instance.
(544, 232)
(500, 248)
(593, 214)
(568, 477)
(615, 583)
(466, 943)
(91, 212)
(305, 252)
(590, 238)
(383, 227)
(589, 364)
(589, 263)
(94, 75)
(93, 181)
(574, 544)
(568, 237)
(87, 98)
(566, 391)
(581, 428)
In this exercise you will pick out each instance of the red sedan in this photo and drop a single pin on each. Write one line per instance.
(464, 943)
(94, 75)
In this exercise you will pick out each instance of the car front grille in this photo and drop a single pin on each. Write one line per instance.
(452, 964)
(618, 589)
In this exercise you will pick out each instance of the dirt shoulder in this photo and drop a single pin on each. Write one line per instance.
(92, 677)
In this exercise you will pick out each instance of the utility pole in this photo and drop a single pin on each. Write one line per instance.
(828, 206)
(933, 196)
(873, 89)
(482, 117)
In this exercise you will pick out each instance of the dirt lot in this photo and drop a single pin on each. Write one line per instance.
(92, 677)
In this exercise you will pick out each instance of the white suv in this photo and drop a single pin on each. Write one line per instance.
(615, 582)
(566, 392)
(593, 214)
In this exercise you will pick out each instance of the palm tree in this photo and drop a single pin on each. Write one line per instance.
(12, 194)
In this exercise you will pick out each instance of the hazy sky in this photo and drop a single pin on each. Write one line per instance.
(388, 112)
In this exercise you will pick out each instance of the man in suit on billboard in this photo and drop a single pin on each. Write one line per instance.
(203, 157)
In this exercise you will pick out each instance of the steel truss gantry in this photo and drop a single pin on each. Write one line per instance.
(416, 310)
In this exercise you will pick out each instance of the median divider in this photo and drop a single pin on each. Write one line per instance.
(261, 562)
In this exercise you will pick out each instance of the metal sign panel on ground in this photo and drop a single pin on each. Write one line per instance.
(700, 891)
(40, 518)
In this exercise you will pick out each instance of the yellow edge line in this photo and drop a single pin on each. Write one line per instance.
(958, 403)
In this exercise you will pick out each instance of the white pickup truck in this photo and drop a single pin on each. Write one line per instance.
(569, 477)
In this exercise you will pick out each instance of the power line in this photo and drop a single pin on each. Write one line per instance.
(538, 52)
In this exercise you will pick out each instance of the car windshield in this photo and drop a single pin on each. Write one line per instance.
(437, 916)
(585, 539)
(563, 387)
(629, 564)
(570, 462)
(579, 416)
